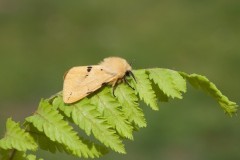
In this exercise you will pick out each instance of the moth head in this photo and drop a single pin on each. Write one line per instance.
(116, 64)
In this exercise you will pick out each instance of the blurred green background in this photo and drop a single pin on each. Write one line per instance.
(40, 40)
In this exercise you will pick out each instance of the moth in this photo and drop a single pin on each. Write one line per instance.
(81, 81)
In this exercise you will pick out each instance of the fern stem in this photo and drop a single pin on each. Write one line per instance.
(13, 153)
(51, 98)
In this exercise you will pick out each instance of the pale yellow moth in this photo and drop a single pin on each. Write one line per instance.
(81, 81)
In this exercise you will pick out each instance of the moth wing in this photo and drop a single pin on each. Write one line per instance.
(81, 81)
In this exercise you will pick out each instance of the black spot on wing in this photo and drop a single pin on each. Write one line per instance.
(89, 68)
(88, 91)
(69, 96)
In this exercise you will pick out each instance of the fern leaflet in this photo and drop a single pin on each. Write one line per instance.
(17, 138)
(129, 102)
(44, 142)
(110, 108)
(144, 89)
(52, 124)
(170, 82)
(201, 82)
(89, 119)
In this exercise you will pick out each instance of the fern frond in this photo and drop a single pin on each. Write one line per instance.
(201, 82)
(110, 108)
(49, 121)
(86, 116)
(144, 89)
(169, 81)
(129, 101)
(109, 119)
(17, 138)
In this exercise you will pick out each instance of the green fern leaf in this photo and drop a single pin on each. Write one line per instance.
(96, 149)
(110, 108)
(170, 82)
(17, 138)
(49, 121)
(129, 102)
(144, 89)
(44, 142)
(86, 116)
(201, 82)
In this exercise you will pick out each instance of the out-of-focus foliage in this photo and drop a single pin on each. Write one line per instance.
(40, 40)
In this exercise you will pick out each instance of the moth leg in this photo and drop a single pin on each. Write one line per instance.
(125, 80)
(114, 86)
(113, 90)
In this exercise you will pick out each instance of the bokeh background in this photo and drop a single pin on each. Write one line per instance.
(40, 40)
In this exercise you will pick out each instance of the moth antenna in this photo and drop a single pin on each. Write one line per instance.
(65, 74)
(130, 63)
(131, 74)
(128, 83)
